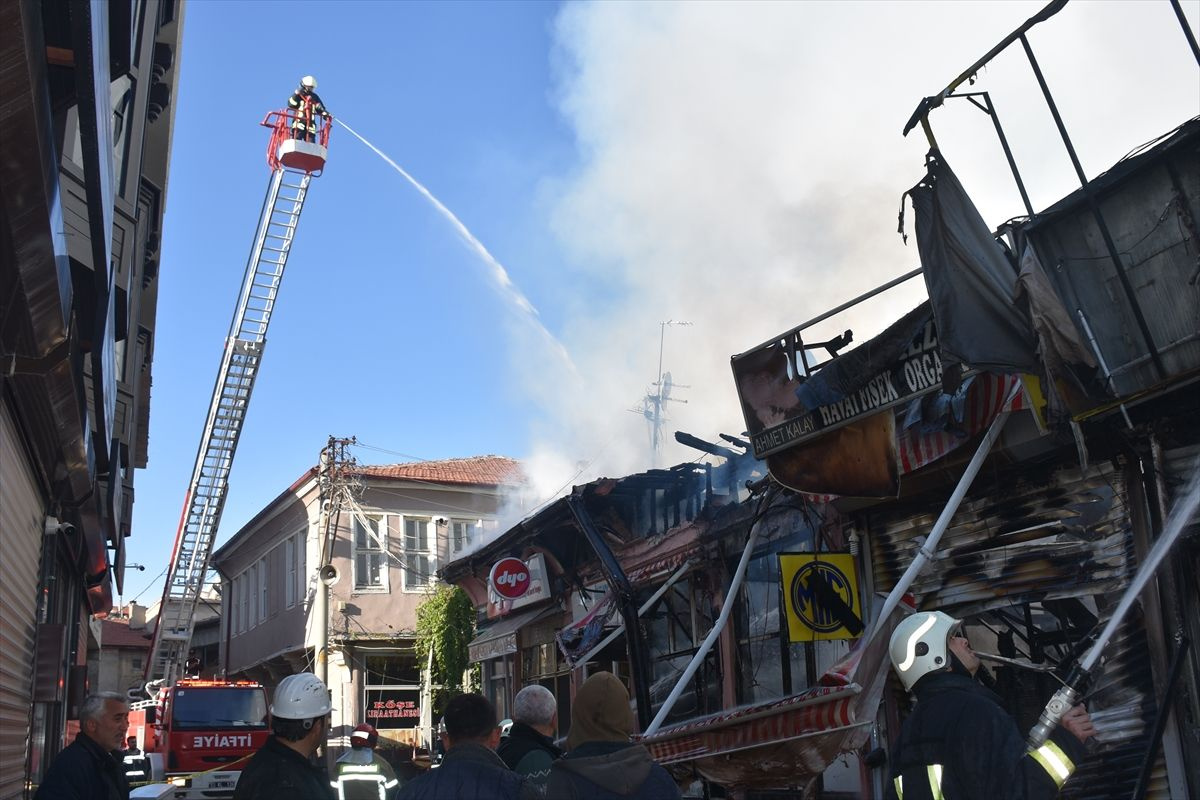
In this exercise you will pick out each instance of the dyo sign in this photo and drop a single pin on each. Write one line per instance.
(510, 578)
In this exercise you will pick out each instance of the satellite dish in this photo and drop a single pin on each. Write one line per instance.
(666, 385)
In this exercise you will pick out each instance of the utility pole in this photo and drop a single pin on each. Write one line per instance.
(334, 466)
(653, 401)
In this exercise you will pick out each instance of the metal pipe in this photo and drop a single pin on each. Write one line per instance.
(1187, 29)
(927, 550)
(1015, 662)
(639, 662)
(1160, 720)
(821, 317)
(694, 664)
(1094, 206)
(929, 103)
(646, 606)
(1068, 696)
(1012, 163)
(1108, 376)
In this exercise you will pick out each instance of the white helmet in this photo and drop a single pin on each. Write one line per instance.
(302, 696)
(308, 82)
(918, 645)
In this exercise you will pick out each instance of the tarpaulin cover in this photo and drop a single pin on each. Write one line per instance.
(970, 280)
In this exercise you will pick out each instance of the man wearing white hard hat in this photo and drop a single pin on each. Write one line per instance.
(959, 743)
(307, 104)
(283, 767)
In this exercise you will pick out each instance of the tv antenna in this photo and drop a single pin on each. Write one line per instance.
(660, 394)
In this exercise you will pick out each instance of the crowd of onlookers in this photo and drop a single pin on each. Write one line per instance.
(598, 760)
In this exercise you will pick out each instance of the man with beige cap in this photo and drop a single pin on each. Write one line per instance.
(601, 762)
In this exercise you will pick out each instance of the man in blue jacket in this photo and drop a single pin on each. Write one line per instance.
(88, 769)
(470, 770)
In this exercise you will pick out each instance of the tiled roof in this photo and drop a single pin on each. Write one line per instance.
(475, 471)
(116, 633)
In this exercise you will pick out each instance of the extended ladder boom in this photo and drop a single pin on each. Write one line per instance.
(240, 362)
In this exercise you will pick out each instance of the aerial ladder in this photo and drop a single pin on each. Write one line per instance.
(294, 162)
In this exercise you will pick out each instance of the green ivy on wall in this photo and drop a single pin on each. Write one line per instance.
(445, 626)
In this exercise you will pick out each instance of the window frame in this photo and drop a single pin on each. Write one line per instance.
(428, 578)
(235, 606)
(474, 535)
(384, 586)
(263, 590)
(289, 585)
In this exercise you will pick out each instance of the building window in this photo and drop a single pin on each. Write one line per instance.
(370, 553)
(464, 534)
(262, 589)
(136, 663)
(289, 558)
(302, 566)
(235, 606)
(418, 557)
(252, 592)
(675, 626)
(496, 686)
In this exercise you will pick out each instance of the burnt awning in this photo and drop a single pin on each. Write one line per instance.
(500, 638)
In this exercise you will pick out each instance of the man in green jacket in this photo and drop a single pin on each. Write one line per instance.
(529, 748)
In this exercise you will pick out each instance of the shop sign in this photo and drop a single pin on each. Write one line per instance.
(537, 591)
(820, 594)
(393, 708)
(510, 578)
(775, 418)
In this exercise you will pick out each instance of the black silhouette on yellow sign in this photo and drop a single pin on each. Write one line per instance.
(820, 593)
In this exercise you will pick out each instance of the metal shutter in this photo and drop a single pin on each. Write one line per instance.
(21, 521)
(1041, 532)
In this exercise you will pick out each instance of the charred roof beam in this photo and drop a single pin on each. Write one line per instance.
(618, 581)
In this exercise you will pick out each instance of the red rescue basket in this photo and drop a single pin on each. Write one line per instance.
(296, 154)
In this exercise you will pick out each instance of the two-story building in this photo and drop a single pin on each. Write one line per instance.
(384, 551)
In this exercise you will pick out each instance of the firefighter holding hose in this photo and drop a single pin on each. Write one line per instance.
(959, 742)
(308, 106)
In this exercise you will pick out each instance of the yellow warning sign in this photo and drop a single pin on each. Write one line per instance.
(820, 593)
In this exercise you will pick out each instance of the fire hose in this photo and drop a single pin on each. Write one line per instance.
(1080, 674)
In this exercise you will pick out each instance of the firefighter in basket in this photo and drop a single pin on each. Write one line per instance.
(307, 106)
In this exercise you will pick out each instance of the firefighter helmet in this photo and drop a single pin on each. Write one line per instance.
(364, 736)
(918, 645)
(308, 82)
(302, 696)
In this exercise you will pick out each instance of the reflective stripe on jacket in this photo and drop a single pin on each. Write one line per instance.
(363, 775)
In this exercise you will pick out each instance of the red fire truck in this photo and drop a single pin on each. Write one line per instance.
(196, 727)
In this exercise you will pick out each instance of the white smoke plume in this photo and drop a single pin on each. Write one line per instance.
(741, 166)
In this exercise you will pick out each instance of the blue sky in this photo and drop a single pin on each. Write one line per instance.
(735, 165)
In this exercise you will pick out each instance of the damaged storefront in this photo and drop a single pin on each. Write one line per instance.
(1024, 433)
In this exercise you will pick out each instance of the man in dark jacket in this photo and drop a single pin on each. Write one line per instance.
(470, 770)
(959, 743)
(601, 763)
(529, 748)
(89, 768)
(283, 767)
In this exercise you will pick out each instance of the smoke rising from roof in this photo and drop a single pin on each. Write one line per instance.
(741, 166)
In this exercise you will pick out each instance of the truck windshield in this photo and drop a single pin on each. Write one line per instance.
(219, 707)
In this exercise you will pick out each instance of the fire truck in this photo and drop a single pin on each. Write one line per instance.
(189, 728)
(196, 728)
